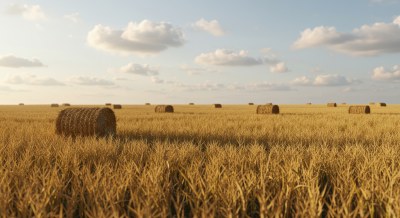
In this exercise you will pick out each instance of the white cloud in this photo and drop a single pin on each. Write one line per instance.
(380, 73)
(139, 69)
(28, 12)
(196, 70)
(16, 62)
(331, 80)
(268, 86)
(368, 40)
(29, 79)
(90, 81)
(205, 86)
(213, 27)
(74, 17)
(302, 81)
(279, 68)
(224, 57)
(142, 38)
(155, 79)
(323, 80)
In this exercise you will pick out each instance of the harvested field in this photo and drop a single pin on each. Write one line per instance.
(197, 162)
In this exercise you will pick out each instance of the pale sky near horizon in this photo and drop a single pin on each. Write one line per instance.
(131, 52)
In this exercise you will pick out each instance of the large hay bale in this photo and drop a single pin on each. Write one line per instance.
(86, 122)
(117, 106)
(267, 109)
(164, 109)
(147, 104)
(108, 104)
(21, 104)
(191, 103)
(66, 104)
(217, 105)
(54, 105)
(332, 105)
(251, 103)
(359, 109)
(372, 103)
(309, 103)
(381, 104)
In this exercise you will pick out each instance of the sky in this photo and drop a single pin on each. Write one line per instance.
(180, 51)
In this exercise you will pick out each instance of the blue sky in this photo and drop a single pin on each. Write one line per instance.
(179, 51)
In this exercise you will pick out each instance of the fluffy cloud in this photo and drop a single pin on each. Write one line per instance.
(279, 68)
(224, 57)
(28, 12)
(155, 79)
(33, 80)
(146, 37)
(16, 62)
(90, 81)
(368, 40)
(74, 17)
(213, 27)
(138, 69)
(380, 73)
(323, 80)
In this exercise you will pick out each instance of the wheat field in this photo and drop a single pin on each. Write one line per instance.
(308, 161)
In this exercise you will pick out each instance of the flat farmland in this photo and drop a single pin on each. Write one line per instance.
(309, 160)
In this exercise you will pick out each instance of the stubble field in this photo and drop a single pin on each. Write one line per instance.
(308, 161)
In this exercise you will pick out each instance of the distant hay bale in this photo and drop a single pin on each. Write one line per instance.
(164, 109)
(54, 105)
(372, 103)
(344, 103)
(359, 109)
(86, 122)
(267, 109)
(117, 106)
(191, 103)
(251, 103)
(108, 104)
(309, 103)
(147, 104)
(217, 105)
(269, 103)
(21, 104)
(381, 104)
(66, 104)
(332, 105)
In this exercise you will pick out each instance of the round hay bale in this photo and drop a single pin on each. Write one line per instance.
(66, 104)
(269, 103)
(359, 109)
(191, 103)
(251, 103)
(108, 104)
(217, 105)
(332, 105)
(164, 109)
(54, 105)
(309, 103)
(344, 103)
(147, 104)
(381, 104)
(117, 106)
(21, 104)
(372, 103)
(267, 109)
(86, 122)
